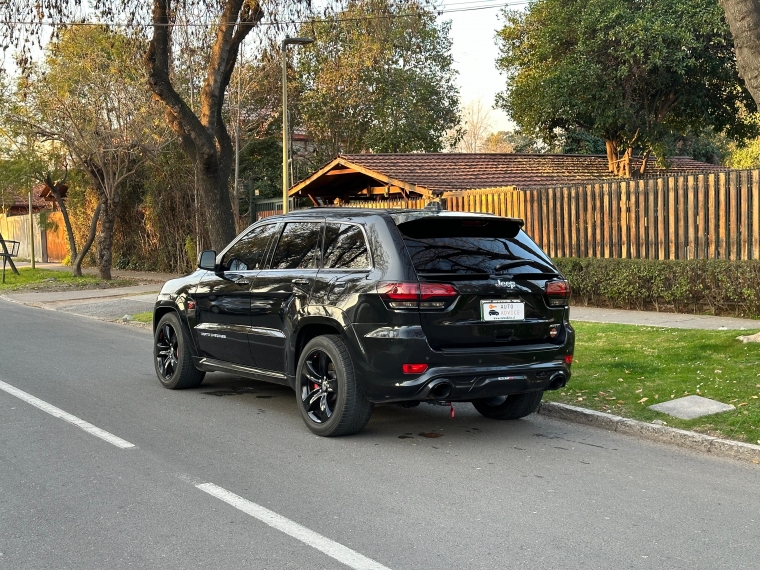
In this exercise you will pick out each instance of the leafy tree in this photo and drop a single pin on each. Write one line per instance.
(475, 126)
(89, 98)
(379, 77)
(513, 141)
(219, 28)
(633, 73)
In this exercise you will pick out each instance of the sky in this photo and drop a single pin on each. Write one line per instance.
(475, 52)
(474, 49)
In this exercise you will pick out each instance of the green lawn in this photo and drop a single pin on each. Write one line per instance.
(48, 280)
(146, 317)
(622, 369)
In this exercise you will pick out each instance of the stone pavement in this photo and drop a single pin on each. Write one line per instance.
(655, 319)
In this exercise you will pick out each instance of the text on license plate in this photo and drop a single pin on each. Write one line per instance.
(502, 310)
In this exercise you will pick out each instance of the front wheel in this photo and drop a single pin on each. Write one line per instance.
(172, 357)
(509, 407)
(329, 398)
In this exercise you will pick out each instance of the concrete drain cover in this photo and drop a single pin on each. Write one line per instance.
(691, 407)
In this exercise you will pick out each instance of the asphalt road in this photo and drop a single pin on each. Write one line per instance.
(534, 493)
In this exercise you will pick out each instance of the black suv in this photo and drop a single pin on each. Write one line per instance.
(353, 307)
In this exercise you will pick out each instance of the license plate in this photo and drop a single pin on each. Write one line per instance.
(502, 310)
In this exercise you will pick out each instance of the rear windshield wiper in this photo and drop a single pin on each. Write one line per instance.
(519, 262)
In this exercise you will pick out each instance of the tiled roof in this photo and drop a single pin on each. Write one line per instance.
(442, 172)
(40, 199)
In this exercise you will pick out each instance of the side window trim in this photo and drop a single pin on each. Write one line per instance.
(267, 259)
(366, 244)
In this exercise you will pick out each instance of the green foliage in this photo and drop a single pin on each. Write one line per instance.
(623, 369)
(636, 74)
(157, 217)
(716, 286)
(745, 156)
(379, 77)
(261, 164)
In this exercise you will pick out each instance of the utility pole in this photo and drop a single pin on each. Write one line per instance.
(31, 227)
(285, 146)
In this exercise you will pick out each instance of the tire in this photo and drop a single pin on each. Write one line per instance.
(171, 355)
(329, 398)
(509, 407)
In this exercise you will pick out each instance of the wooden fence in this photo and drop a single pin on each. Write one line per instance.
(714, 215)
(49, 245)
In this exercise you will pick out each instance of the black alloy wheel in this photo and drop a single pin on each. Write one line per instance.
(319, 386)
(167, 347)
(172, 357)
(330, 400)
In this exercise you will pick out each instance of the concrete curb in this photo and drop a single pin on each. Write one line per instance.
(654, 432)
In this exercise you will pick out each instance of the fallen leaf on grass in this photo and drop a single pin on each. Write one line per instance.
(742, 404)
(643, 400)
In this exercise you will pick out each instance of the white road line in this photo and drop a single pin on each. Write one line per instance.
(337, 551)
(59, 413)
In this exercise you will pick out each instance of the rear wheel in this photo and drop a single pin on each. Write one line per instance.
(172, 357)
(330, 400)
(509, 407)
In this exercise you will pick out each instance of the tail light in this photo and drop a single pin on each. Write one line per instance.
(417, 295)
(558, 293)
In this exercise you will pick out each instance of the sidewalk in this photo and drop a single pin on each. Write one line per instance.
(655, 319)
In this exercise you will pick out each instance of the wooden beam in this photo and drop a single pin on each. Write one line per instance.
(341, 171)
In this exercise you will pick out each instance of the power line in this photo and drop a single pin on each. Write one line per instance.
(439, 11)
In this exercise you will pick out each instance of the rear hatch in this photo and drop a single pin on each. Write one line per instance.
(501, 277)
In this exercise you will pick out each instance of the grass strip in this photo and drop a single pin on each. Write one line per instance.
(30, 279)
(146, 317)
(623, 369)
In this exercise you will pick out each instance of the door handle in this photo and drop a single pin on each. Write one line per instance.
(242, 281)
(300, 282)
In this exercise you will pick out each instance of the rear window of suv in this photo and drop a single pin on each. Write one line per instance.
(472, 245)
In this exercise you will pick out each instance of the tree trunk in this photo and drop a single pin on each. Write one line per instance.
(105, 245)
(743, 17)
(217, 206)
(611, 155)
(67, 223)
(77, 263)
(204, 137)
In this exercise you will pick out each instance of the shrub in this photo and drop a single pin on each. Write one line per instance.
(717, 286)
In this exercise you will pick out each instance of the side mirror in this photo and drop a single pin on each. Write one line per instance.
(207, 260)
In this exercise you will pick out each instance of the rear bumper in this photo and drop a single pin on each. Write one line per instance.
(460, 376)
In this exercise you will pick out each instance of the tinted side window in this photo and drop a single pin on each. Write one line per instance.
(248, 253)
(298, 247)
(345, 248)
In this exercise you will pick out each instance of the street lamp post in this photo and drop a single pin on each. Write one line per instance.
(286, 42)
